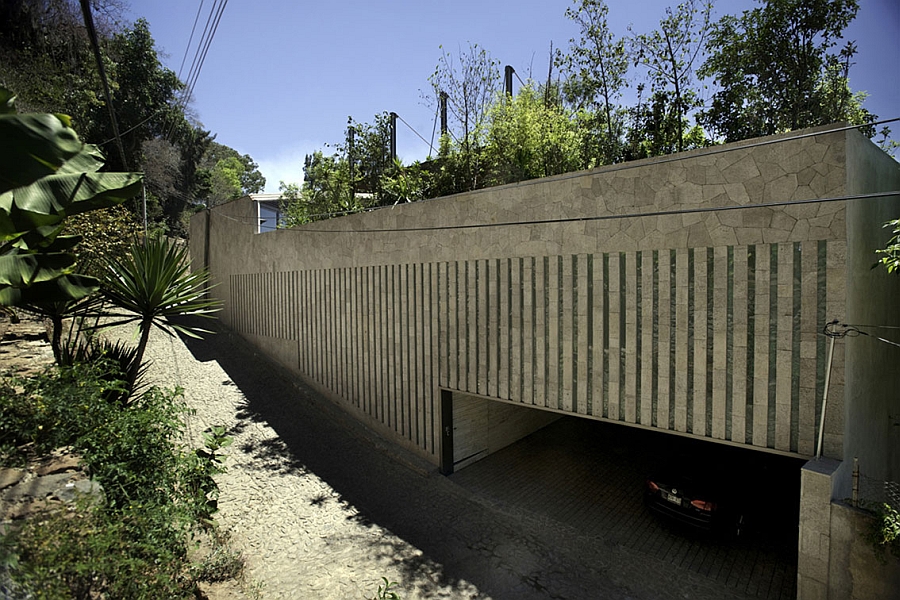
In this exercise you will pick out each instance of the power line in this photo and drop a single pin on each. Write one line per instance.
(836, 329)
(203, 45)
(658, 213)
(190, 39)
(411, 128)
(92, 33)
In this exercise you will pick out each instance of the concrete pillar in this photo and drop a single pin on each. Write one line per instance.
(814, 548)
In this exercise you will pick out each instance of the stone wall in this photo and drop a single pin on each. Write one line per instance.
(684, 293)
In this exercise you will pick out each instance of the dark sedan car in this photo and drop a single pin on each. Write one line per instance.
(696, 492)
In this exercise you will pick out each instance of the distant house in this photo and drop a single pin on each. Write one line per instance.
(268, 211)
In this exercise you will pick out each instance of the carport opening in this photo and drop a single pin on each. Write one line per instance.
(591, 475)
(479, 427)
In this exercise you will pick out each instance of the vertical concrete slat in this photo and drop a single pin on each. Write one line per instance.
(649, 312)
(396, 355)
(362, 294)
(783, 350)
(440, 308)
(362, 316)
(380, 338)
(581, 325)
(453, 368)
(628, 409)
(701, 316)
(414, 405)
(720, 348)
(761, 349)
(303, 338)
(836, 305)
(516, 333)
(407, 369)
(739, 383)
(666, 290)
(553, 330)
(809, 328)
(567, 335)
(493, 326)
(504, 296)
(358, 314)
(340, 354)
(540, 332)
(615, 309)
(528, 342)
(432, 354)
(422, 339)
(481, 326)
(591, 379)
(600, 351)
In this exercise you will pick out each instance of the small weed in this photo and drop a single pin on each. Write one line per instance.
(885, 532)
(158, 495)
(386, 591)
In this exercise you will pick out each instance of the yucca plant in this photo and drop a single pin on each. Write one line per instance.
(153, 282)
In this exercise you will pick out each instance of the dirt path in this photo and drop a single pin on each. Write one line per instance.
(323, 508)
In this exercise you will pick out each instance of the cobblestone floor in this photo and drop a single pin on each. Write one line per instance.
(323, 508)
(590, 476)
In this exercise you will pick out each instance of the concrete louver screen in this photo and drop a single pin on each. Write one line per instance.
(720, 342)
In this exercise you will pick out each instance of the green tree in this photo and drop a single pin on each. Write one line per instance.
(152, 283)
(669, 54)
(227, 175)
(527, 138)
(47, 175)
(470, 81)
(777, 70)
(596, 70)
(144, 95)
(326, 191)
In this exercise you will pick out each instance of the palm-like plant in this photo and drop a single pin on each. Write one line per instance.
(152, 282)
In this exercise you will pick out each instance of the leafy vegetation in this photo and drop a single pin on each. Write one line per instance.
(46, 58)
(46, 175)
(771, 69)
(152, 283)
(891, 253)
(885, 532)
(158, 496)
(386, 591)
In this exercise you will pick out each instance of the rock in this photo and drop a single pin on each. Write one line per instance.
(73, 490)
(10, 476)
(58, 464)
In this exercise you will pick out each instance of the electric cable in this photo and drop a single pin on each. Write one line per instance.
(190, 39)
(836, 329)
(411, 128)
(658, 213)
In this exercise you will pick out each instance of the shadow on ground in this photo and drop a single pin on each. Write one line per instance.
(468, 542)
(418, 506)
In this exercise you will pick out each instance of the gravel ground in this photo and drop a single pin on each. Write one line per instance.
(322, 507)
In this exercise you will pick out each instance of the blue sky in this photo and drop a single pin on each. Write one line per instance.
(281, 77)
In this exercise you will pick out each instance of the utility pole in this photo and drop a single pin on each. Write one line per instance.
(393, 122)
(507, 79)
(351, 134)
(443, 103)
(92, 34)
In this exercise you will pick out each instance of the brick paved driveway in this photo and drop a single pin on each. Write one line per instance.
(590, 476)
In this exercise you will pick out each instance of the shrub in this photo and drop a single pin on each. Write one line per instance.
(157, 494)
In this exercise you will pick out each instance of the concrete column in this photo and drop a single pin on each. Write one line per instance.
(814, 548)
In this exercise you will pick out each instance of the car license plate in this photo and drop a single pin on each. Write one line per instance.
(673, 499)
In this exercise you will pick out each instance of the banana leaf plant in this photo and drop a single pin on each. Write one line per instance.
(152, 283)
(46, 175)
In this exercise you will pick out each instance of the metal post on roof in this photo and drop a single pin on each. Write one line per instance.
(393, 123)
(351, 133)
(443, 102)
(507, 79)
